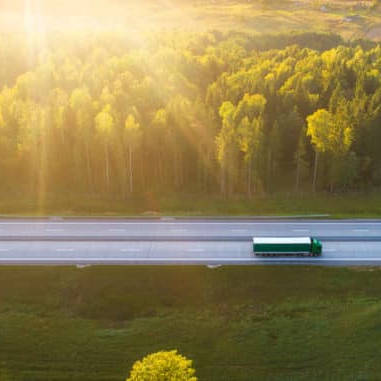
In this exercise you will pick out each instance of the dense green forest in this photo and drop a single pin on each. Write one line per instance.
(117, 114)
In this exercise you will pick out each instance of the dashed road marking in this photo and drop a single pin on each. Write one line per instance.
(65, 250)
(207, 260)
(195, 250)
(131, 250)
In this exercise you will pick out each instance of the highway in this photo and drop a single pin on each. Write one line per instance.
(167, 241)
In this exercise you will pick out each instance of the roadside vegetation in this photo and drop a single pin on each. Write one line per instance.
(195, 204)
(235, 323)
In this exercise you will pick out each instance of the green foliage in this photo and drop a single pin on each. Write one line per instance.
(319, 128)
(163, 366)
(147, 114)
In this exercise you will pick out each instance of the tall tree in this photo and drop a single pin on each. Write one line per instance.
(132, 139)
(248, 116)
(319, 126)
(104, 123)
(300, 158)
(82, 105)
(226, 146)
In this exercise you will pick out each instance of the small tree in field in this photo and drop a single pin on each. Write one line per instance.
(163, 366)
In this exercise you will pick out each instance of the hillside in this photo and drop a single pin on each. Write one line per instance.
(350, 19)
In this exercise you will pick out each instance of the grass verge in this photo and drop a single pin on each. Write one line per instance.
(284, 204)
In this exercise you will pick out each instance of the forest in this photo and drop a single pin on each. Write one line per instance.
(211, 112)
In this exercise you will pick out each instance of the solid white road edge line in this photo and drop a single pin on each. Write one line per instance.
(192, 259)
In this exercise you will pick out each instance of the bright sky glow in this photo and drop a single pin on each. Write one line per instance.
(41, 15)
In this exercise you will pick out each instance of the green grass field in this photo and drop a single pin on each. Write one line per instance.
(282, 204)
(269, 17)
(237, 323)
(265, 17)
(253, 16)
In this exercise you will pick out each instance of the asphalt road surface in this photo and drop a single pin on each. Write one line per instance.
(181, 241)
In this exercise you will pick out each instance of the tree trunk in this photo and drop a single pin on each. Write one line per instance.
(249, 168)
(175, 182)
(131, 170)
(297, 179)
(315, 171)
(107, 172)
(62, 136)
(89, 181)
(125, 176)
(269, 171)
(223, 180)
(162, 176)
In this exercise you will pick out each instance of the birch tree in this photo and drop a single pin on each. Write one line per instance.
(104, 123)
(81, 104)
(319, 126)
(132, 138)
(226, 145)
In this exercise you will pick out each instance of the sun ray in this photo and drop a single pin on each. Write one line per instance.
(35, 29)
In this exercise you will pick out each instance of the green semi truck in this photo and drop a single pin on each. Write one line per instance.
(272, 246)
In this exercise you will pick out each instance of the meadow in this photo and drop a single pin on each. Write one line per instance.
(236, 323)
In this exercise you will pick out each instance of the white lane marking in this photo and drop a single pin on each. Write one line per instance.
(301, 230)
(360, 230)
(239, 230)
(54, 230)
(3, 250)
(117, 230)
(195, 250)
(65, 250)
(173, 259)
(178, 230)
(329, 250)
(131, 250)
